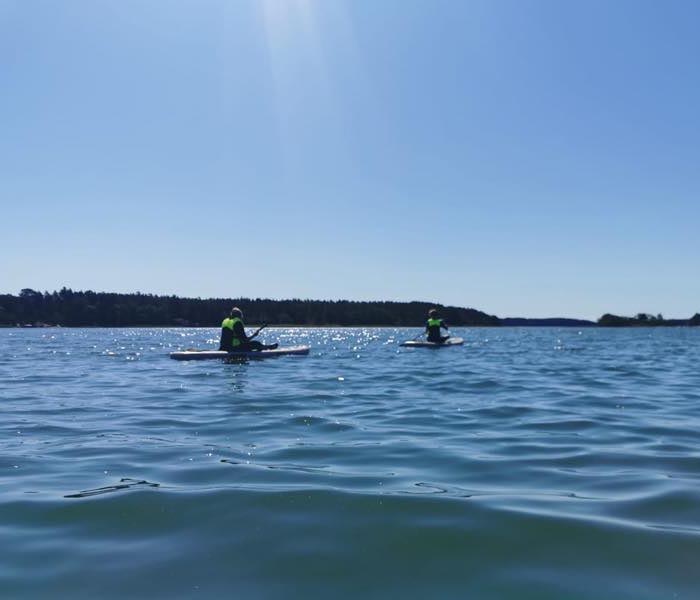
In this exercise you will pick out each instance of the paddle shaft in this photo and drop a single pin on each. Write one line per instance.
(257, 331)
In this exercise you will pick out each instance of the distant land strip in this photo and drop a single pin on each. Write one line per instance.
(68, 308)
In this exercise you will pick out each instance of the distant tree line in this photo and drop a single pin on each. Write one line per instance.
(550, 322)
(86, 308)
(70, 308)
(646, 320)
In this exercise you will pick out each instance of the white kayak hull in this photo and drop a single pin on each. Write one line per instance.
(211, 354)
(453, 341)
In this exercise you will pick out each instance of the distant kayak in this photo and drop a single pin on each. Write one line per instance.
(453, 341)
(209, 354)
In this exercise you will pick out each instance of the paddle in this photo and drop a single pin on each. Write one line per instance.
(257, 331)
(421, 334)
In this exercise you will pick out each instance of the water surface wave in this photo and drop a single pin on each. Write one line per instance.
(529, 463)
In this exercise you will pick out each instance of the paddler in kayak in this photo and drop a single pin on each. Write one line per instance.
(433, 326)
(234, 338)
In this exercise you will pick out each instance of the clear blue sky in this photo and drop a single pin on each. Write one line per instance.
(522, 157)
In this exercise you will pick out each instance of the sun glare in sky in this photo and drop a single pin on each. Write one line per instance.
(283, 15)
(302, 78)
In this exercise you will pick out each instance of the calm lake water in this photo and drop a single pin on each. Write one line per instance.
(528, 463)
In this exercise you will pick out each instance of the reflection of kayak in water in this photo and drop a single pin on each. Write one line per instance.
(453, 341)
(205, 354)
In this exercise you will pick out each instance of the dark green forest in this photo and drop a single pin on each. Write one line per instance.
(646, 320)
(70, 308)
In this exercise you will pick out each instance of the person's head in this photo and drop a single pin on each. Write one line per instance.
(433, 313)
(236, 313)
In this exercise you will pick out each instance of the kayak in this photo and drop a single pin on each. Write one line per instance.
(453, 341)
(207, 354)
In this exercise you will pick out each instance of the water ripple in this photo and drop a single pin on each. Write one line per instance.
(529, 463)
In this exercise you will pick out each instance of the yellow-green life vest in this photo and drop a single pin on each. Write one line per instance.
(229, 323)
